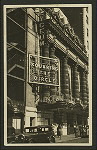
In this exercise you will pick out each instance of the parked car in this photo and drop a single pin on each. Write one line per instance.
(37, 134)
(10, 134)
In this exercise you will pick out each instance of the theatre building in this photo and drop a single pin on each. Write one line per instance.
(47, 70)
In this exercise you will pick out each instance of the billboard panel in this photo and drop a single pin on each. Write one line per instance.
(43, 70)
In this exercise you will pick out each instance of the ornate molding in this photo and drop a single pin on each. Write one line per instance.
(59, 33)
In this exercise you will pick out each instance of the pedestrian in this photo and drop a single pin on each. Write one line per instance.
(80, 129)
(74, 126)
(68, 128)
(59, 131)
(76, 130)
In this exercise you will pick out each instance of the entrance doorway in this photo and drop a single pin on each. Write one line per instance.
(32, 121)
(79, 119)
(47, 121)
(70, 129)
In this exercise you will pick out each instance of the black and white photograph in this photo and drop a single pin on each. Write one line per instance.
(48, 75)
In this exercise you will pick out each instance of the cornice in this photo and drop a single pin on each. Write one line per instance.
(71, 55)
(61, 35)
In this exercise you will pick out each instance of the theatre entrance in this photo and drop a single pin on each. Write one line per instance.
(70, 120)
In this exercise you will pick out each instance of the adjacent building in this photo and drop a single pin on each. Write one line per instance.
(86, 28)
(47, 70)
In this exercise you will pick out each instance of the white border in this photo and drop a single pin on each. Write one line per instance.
(5, 77)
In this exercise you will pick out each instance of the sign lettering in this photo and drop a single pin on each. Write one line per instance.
(43, 70)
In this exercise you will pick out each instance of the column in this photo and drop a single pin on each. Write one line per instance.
(46, 49)
(45, 89)
(76, 84)
(84, 89)
(65, 80)
(52, 74)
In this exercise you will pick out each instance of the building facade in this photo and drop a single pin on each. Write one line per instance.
(47, 70)
(86, 28)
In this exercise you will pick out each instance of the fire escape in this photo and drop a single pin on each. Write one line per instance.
(15, 58)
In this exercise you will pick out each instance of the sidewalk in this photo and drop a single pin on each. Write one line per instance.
(66, 138)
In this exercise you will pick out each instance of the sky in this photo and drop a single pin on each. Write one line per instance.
(75, 17)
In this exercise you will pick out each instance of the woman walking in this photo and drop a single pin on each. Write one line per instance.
(59, 131)
(76, 130)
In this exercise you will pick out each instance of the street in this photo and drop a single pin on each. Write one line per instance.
(71, 139)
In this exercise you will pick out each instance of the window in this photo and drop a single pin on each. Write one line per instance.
(17, 123)
(87, 9)
(27, 130)
(46, 129)
(33, 26)
(87, 32)
(69, 74)
(43, 129)
(35, 130)
(72, 81)
(88, 45)
(32, 121)
(87, 19)
(79, 80)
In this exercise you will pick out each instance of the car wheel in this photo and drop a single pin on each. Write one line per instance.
(31, 141)
(52, 140)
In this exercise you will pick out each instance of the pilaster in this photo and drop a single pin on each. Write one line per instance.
(84, 88)
(45, 89)
(53, 89)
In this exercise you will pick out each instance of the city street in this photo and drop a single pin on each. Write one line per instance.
(71, 139)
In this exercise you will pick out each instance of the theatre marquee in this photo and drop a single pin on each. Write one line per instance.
(43, 70)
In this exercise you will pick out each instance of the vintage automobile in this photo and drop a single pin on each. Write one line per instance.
(37, 134)
(10, 134)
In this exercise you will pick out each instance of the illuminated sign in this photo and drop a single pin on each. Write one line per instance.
(43, 70)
